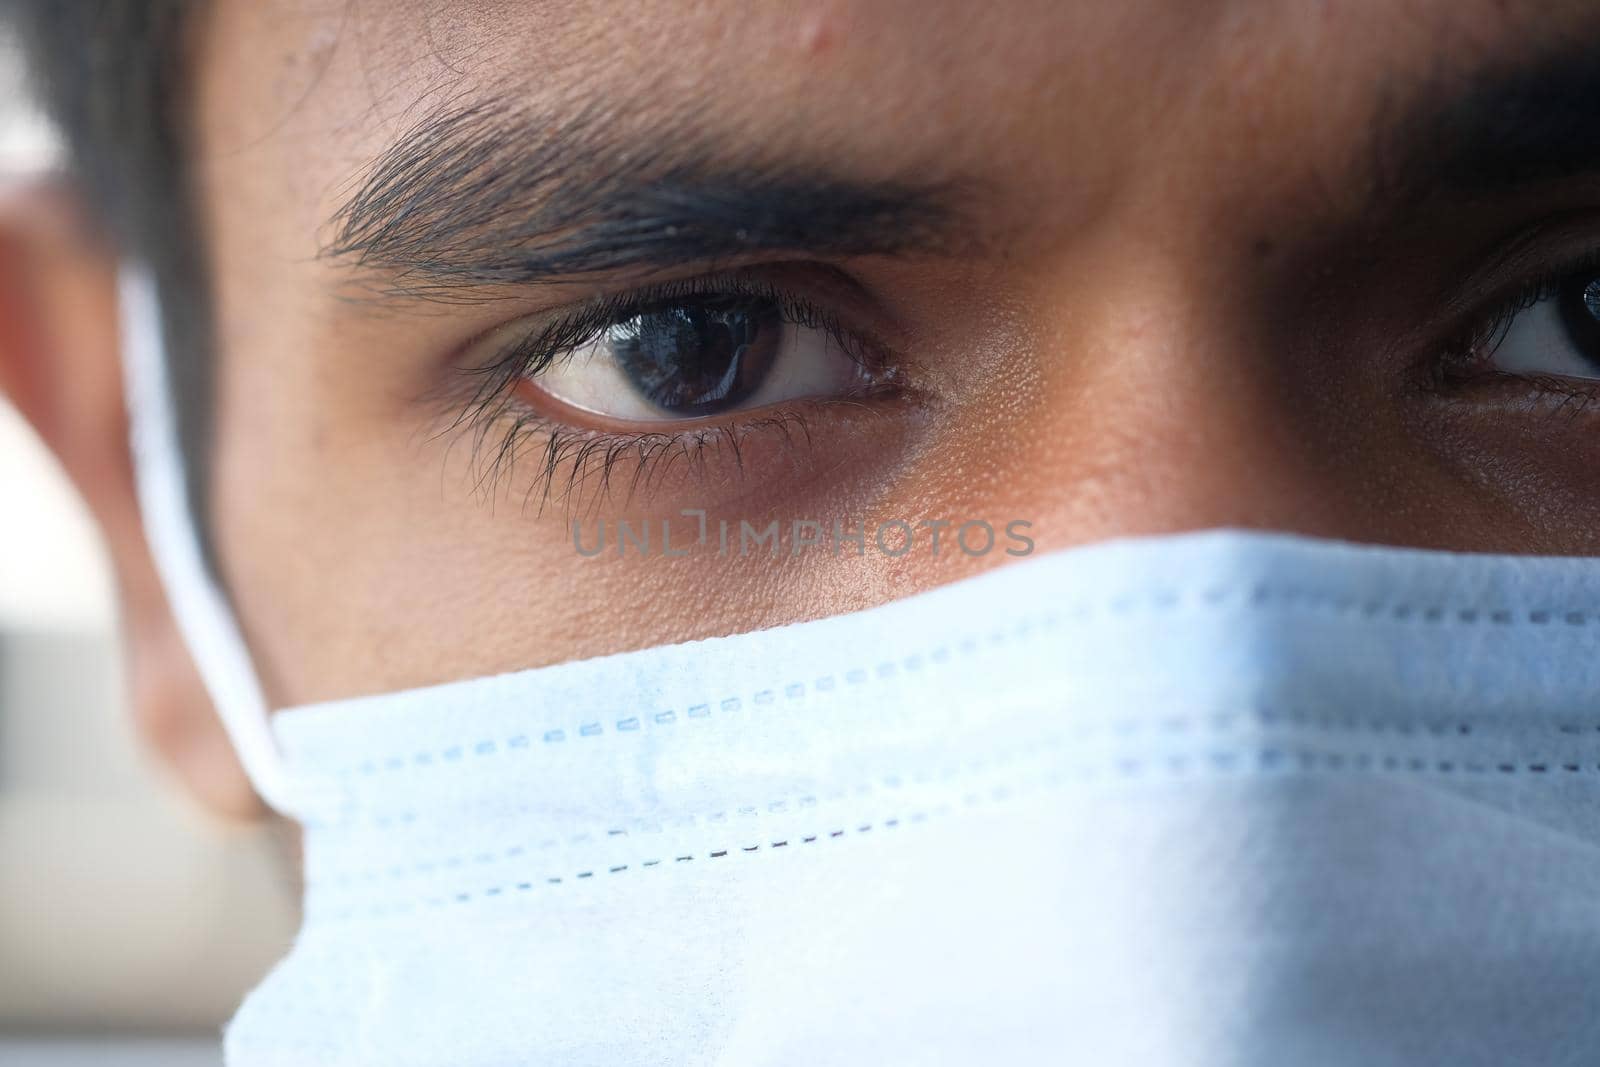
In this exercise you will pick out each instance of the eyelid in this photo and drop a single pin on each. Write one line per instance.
(802, 286)
(1553, 245)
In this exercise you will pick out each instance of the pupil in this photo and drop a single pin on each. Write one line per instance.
(699, 357)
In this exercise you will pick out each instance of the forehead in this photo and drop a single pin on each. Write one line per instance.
(1051, 107)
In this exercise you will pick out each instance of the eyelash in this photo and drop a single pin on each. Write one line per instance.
(584, 456)
(1468, 358)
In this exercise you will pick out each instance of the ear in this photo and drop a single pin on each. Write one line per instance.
(60, 366)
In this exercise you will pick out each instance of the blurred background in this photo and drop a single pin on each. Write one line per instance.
(130, 923)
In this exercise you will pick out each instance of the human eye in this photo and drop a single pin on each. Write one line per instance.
(672, 357)
(1547, 333)
(674, 369)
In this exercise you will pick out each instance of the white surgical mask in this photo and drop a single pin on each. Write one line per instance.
(1224, 798)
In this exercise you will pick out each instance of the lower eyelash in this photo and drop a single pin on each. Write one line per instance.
(572, 461)
(1466, 372)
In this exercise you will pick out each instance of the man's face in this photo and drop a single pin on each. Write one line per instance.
(1105, 269)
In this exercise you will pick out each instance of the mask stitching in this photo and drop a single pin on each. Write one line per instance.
(1262, 598)
(1133, 726)
(1268, 761)
(895, 780)
(1268, 758)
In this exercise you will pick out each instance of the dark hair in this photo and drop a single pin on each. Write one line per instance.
(113, 76)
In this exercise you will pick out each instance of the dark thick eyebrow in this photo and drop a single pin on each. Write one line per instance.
(487, 195)
(1494, 131)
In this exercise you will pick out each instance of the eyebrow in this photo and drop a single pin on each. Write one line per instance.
(490, 194)
(1490, 132)
(487, 195)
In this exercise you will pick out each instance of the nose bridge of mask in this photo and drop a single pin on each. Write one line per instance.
(1269, 624)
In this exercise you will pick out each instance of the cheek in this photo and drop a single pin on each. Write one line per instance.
(1532, 462)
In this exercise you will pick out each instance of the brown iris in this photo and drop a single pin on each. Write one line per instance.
(699, 357)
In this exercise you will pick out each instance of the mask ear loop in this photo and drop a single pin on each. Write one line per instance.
(203, 615)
